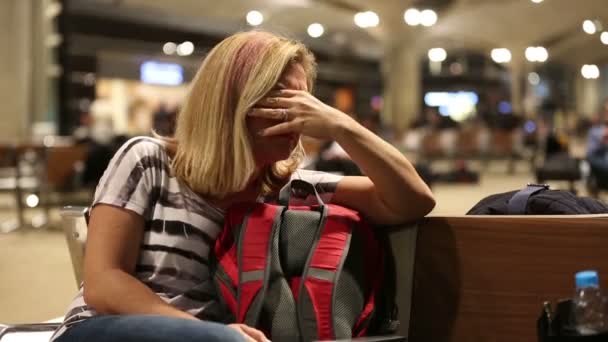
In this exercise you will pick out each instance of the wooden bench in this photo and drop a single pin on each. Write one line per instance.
(484, 278)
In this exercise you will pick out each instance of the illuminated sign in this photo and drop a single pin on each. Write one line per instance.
(161, 73)
(457, 105)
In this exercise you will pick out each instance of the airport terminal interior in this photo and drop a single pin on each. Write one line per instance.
(482, 97)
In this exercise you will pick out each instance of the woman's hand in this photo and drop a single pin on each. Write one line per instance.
(392, 192)
(301, 113)
(251, 334)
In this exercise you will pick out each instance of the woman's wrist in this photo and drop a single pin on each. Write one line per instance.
(344, 127)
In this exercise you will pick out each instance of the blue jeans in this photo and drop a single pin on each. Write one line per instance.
(149, 328)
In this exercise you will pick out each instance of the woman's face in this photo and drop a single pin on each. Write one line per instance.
(268, 150)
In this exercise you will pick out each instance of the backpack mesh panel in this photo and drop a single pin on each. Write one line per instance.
(298, 231)
(279, 308)
(280, 312)
(308, 318)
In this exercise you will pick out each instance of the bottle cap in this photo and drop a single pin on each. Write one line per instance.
(587, 279)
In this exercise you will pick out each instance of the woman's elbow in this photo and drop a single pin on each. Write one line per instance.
(410, 210)
(427, 203)
(94, 297)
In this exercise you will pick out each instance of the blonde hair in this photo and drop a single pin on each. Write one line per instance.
(213, 152)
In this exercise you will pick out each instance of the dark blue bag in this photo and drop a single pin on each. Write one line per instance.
(538, 199)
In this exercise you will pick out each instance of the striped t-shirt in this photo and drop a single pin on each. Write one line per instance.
(180, 228)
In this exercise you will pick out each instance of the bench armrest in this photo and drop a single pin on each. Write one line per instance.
(25, 328)
(75, 228)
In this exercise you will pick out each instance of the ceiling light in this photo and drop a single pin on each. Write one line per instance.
(412, 17)
(533, 78)
(315, 30)
(501, 55)
(367, 19)
(428, 17)
(437, 55)
(589, 27)
(254, 18)
(537, 54)
(604, 37)
(372, 18)
(537, 1)
(360, 20)
(185, 49)
(531, 54)
(585, 71)
(541, 54)
(590, 71)
(594, 71)
(169, 48)
(32, 200)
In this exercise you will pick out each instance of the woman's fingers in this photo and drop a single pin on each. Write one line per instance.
(274, 102)
(282, 128)
(239, 328)
(284, 93)
(282, 114)
(257, 335)
(306, 115)
(247, 337)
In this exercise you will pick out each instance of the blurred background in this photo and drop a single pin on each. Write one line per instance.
(484, 96)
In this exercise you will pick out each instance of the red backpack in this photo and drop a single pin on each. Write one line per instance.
(304, 273)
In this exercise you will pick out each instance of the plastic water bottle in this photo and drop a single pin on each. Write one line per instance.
(590, 314)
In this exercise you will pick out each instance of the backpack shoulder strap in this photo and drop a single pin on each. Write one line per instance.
(223, 261)
(253, 259)
(317, 286)
(518, 203)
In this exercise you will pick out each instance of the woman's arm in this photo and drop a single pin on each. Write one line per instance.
(392, 192)
(113, 240)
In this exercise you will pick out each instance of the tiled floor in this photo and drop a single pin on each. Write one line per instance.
(36, 279)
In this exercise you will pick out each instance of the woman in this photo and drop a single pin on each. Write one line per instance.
(160, 204)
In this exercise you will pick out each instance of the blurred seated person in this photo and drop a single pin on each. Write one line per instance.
(440, 122)
(447, 128)
(411, 140)
(164, 120)
(373, 122)
(430, 120)
(553, 142)
(556, 144)
(82, 132)
(597, 151)
(333, 158)
(140, 118)
(597, 146)
(597, 125)
(96, 130)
